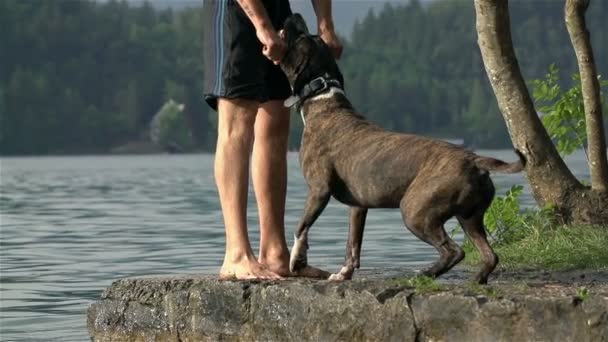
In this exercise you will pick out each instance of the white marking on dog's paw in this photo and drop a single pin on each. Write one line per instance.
(298, 256)
(336, 277)
(346, 273)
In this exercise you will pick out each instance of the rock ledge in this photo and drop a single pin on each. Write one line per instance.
(201, 308)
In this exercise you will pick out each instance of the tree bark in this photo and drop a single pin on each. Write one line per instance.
(579, 35)
(550, 179)
(545, 168)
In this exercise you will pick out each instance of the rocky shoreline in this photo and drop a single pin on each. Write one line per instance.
(538, 306)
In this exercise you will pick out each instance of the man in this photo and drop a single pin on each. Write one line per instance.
(245, 85)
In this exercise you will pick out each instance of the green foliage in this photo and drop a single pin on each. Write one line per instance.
(417, 68)
(86, 76)
(533, 238)
(2, 115)
(503, 213)
(169, 127)
(506, 222)
(582, 293)
(484, 290)
(562, 247)
(422, 284)
(563, 113)
(537, 241)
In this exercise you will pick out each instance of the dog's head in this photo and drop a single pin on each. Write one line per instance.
(307, 56)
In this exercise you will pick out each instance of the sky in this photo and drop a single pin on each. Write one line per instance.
(345, 12)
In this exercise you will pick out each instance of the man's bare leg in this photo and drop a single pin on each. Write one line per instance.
(236, 119)
(269, 173)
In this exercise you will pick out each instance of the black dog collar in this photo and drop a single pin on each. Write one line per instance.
(314, 87)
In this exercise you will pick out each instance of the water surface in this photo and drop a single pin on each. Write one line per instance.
(72, 225)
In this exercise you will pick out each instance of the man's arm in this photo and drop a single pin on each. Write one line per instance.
(322, 9)
(256, 13)
(325, 25)
(273, 45)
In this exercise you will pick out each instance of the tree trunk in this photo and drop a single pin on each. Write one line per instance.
(577, 29)
(550, 179)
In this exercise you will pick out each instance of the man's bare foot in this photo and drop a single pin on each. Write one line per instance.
(277, 262)
(247, 269)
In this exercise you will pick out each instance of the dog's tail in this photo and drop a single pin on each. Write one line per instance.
(492, 164)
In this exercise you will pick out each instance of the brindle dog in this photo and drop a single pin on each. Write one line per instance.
(364, 166)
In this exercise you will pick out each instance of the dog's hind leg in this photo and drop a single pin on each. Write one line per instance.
(316, 201)
(352, 259)
(473, 227)
(425, 220)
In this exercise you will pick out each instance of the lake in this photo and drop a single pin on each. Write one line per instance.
(72, 225)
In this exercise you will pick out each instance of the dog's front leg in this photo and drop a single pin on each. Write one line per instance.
(352, 259)
(315, 203)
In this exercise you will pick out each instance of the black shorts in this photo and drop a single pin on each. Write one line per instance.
(234, 64)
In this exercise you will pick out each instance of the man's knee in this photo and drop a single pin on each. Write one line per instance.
(236, 118)
(276, 132)
(272, 123)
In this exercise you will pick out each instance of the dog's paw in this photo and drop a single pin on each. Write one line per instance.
(346, 273)
(298, 263)
(298, 258)
(336, 277)
(430, 271)
(481, 279)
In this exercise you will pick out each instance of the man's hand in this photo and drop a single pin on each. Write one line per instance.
(331, 39)
(273, 46)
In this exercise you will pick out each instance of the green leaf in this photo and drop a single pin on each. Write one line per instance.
(564, 117)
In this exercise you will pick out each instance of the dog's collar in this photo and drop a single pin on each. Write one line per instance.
(313, 88)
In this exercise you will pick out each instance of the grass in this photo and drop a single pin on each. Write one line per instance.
(537, 245)
(534, 239)
(486, 290)
(582, 293)
(421, 284)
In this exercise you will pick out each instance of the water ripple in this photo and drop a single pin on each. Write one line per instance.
(72, 225)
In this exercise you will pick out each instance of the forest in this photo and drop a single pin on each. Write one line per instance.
(79, 77)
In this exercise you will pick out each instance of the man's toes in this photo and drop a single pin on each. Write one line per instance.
(272, 276)
(227, 276)
(248, 272)
(265, 273)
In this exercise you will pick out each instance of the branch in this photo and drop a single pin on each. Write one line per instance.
(550, 179)
(574, 13)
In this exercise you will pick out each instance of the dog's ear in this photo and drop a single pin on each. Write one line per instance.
(297, 23)
(300, 23)
(294, 27)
